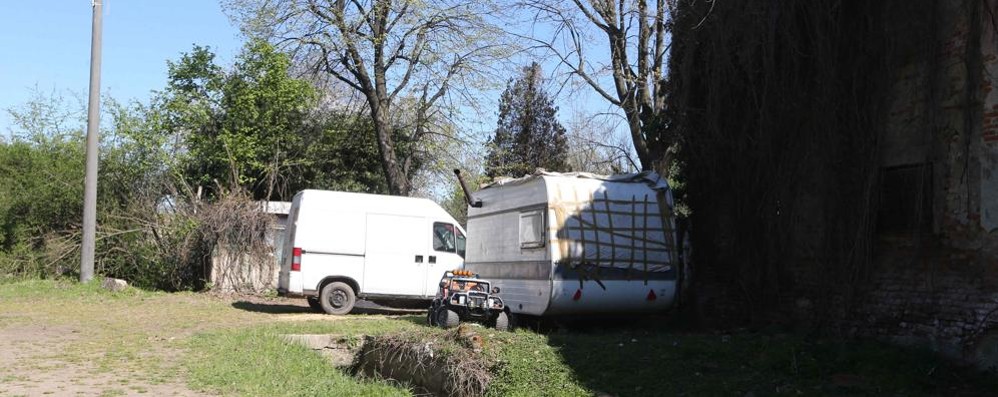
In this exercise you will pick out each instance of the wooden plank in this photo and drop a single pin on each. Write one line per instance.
(609, 224)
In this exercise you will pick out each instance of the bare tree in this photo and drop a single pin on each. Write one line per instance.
(385, 50)
(637, 39)
(594, 145)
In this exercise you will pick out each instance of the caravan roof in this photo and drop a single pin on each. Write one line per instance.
(544, 187)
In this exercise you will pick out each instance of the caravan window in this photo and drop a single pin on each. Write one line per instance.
(531, 229)
(443, 237)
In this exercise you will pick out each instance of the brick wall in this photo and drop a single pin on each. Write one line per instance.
(941, 289)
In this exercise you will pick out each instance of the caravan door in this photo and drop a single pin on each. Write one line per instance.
(396, 258)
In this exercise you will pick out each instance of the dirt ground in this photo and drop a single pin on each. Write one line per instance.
(101, 345)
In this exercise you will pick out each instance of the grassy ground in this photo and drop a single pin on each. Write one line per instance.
(260, 363)
(663, 363)
(63, 337)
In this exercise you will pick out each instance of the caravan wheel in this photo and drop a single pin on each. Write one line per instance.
(502, 322)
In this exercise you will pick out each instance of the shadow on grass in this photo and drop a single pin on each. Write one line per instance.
(362, 307)
(368, 307)
(271, 308)
(417, 319)
(644, 359)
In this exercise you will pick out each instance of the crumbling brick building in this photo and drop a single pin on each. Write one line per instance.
(842, 165)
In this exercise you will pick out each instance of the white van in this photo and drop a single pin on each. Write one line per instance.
(342, 246)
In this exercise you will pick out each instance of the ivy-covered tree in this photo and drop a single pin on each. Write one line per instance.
(428, 53)
(528, 135)
(239, 128)
(258, 128)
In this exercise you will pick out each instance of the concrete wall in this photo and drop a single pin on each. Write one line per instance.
(250, 273)
(244, 273)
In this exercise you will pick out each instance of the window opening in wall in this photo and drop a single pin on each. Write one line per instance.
(905, 200)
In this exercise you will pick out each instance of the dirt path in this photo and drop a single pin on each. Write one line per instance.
(99, 344)
(100, 348)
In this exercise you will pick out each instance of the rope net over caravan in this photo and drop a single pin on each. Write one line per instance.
(619, 227)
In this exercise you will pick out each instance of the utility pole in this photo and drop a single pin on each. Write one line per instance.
(93, 131)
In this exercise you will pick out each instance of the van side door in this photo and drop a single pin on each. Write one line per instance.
(395, 260)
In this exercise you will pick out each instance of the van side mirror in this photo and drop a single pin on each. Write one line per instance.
(495, 290)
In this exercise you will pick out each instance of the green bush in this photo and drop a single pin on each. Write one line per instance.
(40, 206)
(176, 177)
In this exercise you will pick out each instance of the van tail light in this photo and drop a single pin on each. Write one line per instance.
(651, 295)
(296, 259)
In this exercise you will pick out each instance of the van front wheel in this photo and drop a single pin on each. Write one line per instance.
(337, 298)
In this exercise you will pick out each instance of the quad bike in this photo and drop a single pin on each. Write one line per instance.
(463, 296)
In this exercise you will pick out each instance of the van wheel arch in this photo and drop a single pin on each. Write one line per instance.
(347, 280)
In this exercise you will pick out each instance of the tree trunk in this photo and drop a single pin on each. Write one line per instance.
(398, 181)
(634, 125)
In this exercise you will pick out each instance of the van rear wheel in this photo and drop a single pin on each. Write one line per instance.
(337, 298)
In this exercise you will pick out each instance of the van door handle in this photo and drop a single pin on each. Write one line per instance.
(419, 259)
(433, 259)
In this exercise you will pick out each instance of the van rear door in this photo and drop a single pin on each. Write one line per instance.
(395, 260)
(290, 232)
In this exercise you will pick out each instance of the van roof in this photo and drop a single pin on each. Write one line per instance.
(373, 203)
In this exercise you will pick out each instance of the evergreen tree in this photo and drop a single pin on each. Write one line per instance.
(528, 135)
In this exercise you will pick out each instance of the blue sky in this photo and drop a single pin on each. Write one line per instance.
(46, 43)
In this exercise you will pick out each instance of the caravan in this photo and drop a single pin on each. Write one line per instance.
(567, 244)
